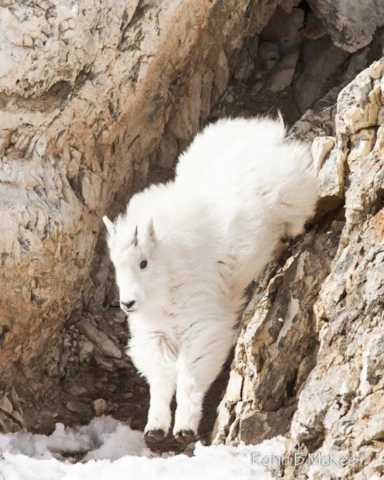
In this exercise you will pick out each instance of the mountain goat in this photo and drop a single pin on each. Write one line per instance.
(185, 251)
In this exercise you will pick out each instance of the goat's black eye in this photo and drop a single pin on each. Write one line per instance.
(143, 264)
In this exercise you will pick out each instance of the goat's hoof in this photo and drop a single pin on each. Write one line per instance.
(154, 436)
(185, 436)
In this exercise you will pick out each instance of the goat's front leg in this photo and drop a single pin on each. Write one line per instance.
(202, 355)
(154, 358)
(162, 388)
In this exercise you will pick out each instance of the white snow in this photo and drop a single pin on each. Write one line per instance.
(110, 450)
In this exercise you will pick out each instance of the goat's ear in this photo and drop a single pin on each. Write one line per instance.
(109, 225)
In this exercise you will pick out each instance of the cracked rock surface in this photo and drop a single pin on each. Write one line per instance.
(309, 362)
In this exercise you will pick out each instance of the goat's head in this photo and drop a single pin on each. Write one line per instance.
(141, 274)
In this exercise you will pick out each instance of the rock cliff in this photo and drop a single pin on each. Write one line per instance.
(97, 99)
(309, 362)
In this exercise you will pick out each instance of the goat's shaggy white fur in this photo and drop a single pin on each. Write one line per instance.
(185, 251)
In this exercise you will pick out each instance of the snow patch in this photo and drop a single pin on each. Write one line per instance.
(111, 450)
(104, 437)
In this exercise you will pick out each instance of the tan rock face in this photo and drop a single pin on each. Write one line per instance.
(351, 24)
(312, 340)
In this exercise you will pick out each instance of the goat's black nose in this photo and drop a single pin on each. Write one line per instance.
(128, 305)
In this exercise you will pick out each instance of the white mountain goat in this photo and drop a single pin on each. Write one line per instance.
(185, 251)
